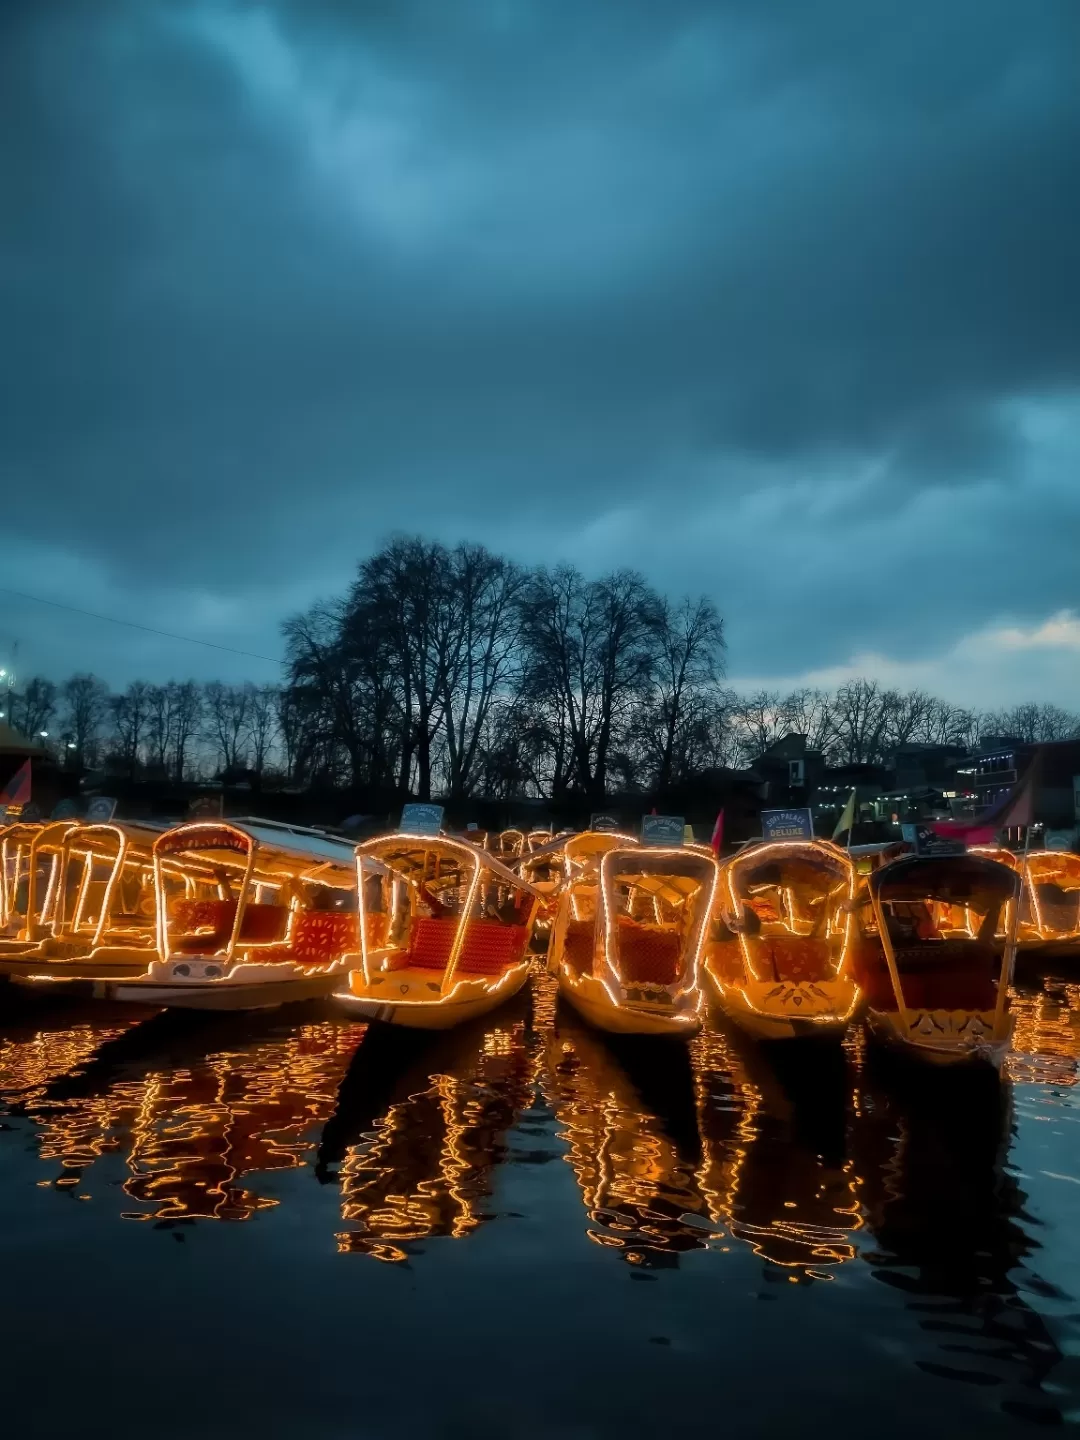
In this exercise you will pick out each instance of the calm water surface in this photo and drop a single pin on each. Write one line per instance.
(293, 1225)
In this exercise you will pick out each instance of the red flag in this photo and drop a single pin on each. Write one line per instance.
(17, 791)
(717, 841)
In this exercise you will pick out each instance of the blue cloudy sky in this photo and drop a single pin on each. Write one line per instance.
(777, 301)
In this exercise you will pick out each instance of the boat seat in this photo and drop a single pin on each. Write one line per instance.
(318, 937)
(794, 958)
(490, 947)
(198, 924)
(263, 922)
(937, 975)
(648, 955)
(578, 946)
(430, 943)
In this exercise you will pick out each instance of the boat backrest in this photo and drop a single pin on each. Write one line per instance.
(648, 954)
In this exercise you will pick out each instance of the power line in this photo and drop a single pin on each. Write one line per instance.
(134, 625)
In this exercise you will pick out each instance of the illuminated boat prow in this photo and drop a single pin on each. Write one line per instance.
(102, 914)
(931, 960)
(627, 940)
(267, 914)
(778, 957)
(445, 932)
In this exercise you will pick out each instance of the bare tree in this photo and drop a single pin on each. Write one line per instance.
(261, 724)
(86, 703)
(674, 719)
(185, 701)
(591, 651)
(130, 715)
(761, 721)
(478, 634)
(225, 712)
(34, 707)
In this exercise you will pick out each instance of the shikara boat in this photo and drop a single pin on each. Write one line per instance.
(778, 955)
(628, 937)
(266, 915)
(537, 839)
(16, 840)
(931, 960)
(1049, 921)
(103, 914)
(445, 932)
(508, 845)
(31, 857)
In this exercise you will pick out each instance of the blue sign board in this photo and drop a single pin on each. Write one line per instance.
(662, 829)
(925, 841)
(101, 809)
(422, 819)
(787, 825)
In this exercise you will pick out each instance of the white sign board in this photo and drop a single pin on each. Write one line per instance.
(422, 819)
(662, 829)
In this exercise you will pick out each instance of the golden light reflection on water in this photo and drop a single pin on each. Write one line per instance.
(719, 1153)
(1046, 1041)
(424, 1168)
(186, 1133)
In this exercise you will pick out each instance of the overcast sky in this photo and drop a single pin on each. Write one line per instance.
(779, 301)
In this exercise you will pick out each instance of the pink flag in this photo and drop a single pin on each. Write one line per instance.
(17, 790)
(717, 841)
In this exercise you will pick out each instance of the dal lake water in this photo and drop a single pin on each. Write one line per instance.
(291, 1224)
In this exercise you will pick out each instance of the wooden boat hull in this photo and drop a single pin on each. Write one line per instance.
(593, 1003)
(397, 999)
(219, 995)
(942, 1038)
(818, 1009)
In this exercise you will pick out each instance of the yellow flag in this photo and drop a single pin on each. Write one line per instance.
(847, 817)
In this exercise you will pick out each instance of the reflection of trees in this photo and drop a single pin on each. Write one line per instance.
(420, 1125)
(192, 1108)
(774, 1166)
(946, 1216)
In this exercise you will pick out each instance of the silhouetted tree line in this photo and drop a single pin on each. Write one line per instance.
(457, 672)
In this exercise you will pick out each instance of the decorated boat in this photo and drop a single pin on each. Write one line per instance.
(103, 914)
(778, 956)
(31, 858)
(629, 931)
(445, 931)
(1049, 920)
(249, 915)
(509, 844)
(932, 960)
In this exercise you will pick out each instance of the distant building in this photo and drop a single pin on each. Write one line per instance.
(991, 771)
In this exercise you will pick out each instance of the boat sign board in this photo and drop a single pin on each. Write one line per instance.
(662, 829)
(603, 822)
(925, 841)
(422, 819)
(101, 809)
(1059, 839)
(787, 825)
(65, 810)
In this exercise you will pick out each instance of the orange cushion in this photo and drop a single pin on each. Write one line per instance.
(647, 955)
(578, 946)
(491, 948)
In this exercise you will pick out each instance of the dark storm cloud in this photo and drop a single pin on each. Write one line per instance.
(720, 289)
